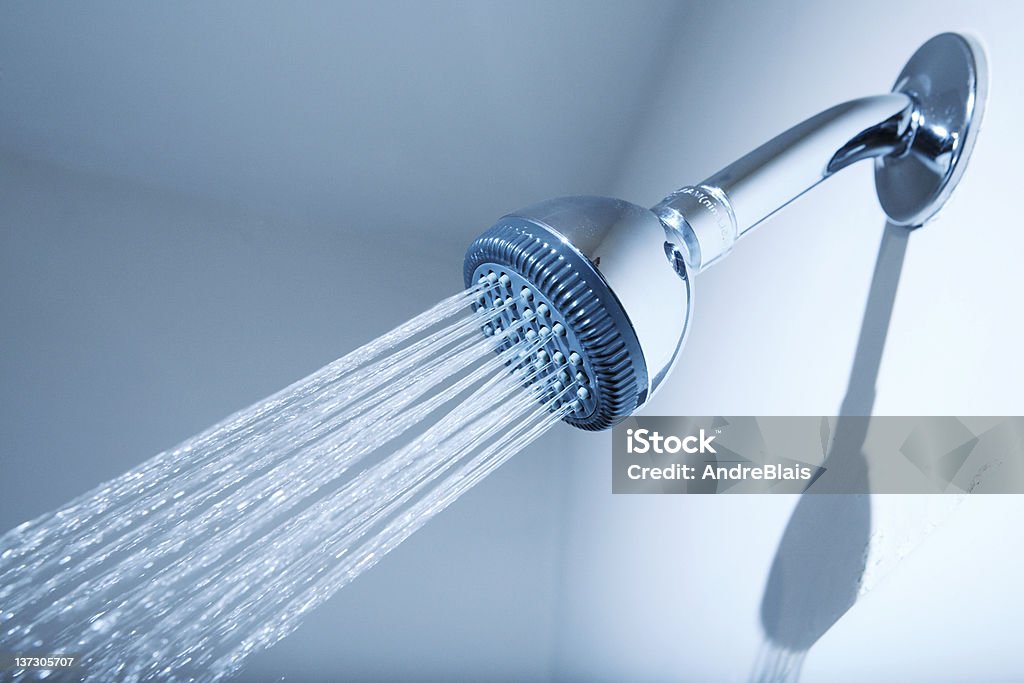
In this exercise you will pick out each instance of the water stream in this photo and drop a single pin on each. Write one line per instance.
(210, 551)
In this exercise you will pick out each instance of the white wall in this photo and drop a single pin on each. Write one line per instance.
(198, 199)
(662, 588)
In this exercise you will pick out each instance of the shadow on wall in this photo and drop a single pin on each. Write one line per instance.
(816, 574)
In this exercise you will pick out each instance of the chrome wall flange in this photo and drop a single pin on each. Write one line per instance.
(947, 79)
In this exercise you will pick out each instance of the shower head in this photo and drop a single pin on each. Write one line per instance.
(597, 292)
(588, 276)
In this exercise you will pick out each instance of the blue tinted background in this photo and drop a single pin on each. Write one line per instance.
(201, 202)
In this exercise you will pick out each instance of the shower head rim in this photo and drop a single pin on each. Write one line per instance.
(520, 242)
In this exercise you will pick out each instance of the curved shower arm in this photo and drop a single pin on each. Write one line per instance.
(704, 221)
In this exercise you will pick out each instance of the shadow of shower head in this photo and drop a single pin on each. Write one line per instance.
(602, 288)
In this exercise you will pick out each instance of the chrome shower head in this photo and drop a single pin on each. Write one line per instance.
(588, 277)
(601, 289)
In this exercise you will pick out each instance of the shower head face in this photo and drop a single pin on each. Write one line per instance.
(548, 348)
(583, 286)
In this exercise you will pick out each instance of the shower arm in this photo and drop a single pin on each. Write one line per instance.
(704, 221)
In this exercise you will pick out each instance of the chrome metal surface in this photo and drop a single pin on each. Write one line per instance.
(706, 220)
(948, 80)
(920, 136)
